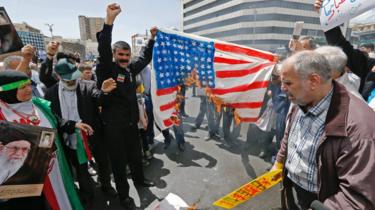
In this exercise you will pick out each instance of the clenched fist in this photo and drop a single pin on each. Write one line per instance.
(112, 11)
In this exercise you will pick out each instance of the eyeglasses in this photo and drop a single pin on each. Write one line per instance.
(15, 149)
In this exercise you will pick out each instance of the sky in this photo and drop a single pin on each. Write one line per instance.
(136, 15)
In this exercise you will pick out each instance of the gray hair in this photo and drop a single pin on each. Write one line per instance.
(306, 63)
(10, 59)
(335, 56)
(311, 41)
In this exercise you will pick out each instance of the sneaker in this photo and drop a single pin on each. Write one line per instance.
(148, 155)
(92, 171)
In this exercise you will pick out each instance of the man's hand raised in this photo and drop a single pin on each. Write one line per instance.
(112, 11)
(318, 5)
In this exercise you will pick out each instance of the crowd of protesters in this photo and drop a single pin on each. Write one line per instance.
(315, 123)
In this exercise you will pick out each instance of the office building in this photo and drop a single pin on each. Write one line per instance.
(89, 26)
(263, 24)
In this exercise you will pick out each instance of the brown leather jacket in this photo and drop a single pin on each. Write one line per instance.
(345, 155)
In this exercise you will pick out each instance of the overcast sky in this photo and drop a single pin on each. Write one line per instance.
(136, 15)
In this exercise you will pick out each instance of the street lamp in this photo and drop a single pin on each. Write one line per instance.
(50, 29)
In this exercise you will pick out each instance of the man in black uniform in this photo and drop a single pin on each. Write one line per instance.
(120, 112)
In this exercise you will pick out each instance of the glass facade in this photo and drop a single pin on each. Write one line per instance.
(35, 39)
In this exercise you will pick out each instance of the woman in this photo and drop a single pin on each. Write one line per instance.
(17, 105)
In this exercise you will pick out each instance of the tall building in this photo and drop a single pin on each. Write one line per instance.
(263, 24)
(88, 26)
(365, 32)
(138, 42)
(30, 35)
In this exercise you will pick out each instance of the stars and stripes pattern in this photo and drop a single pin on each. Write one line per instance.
(237, 76)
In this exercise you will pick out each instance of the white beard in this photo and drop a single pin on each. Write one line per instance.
(9, 167)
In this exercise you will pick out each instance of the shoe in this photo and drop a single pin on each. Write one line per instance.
(181, 147)
(109, 191)
(145, 183)
(128, 203)
(148, 155)
(194, 128)
(92, 171)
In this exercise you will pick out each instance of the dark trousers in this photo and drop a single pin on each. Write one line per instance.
(150, 117)
(143, 136)
(86, 183)
(302, 198)
(100, 153)
(124, 148)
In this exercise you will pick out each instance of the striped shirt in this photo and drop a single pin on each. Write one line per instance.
(304, 136)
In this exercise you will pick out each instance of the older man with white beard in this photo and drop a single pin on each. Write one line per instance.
(12, 157)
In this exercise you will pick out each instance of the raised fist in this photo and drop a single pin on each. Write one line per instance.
(112, 11)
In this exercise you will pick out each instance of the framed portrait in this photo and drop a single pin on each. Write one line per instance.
(46, 139)
(26, 154)
(10, 42)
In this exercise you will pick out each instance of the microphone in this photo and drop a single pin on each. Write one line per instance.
(317, 205)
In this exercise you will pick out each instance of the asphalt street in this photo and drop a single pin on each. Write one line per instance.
(204, 172)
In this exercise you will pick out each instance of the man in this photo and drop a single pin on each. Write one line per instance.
(303, 43)
(47, 76)
(46, 141)
(369, 49)
(120, 109)
(328, 141)
(22, 63)
(76, 100)
(86, 70)
(337, 60)
(12, 157)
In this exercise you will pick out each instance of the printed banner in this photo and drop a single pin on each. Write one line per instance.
(25, 154)
(9, 39)
(336, 12)
(250, 190)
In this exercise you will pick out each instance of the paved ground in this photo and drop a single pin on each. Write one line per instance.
(203, 173)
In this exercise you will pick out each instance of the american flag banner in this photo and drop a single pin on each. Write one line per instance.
(233, 75)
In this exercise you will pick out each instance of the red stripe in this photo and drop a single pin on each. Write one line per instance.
(166, 91)
(241, 73)
(246, 51)
(229, 61)
(248, 119)
(168, 122)
(241, 88)
(167, 106)
(86, 145)
(249, 105)
(50, 194)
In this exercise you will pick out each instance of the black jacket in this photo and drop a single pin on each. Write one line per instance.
(120, 106)
(46, 75)
(88, 99)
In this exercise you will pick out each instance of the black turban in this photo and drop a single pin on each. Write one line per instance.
(8, 77)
